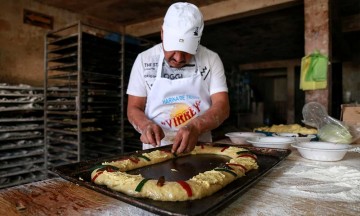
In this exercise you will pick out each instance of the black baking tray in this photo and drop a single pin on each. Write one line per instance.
(185, 167)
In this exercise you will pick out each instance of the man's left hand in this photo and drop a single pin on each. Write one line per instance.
(185, 139)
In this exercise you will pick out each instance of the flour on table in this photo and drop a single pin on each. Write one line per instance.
(331, 183)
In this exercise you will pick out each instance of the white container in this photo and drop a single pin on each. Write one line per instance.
(322, 151)
(296, 136)
(241, 137)
(271, 142)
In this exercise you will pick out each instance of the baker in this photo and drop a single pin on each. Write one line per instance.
(177, 91)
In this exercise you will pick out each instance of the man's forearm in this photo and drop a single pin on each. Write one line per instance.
(138, 119)
(213, 117)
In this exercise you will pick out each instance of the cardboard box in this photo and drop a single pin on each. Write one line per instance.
(350, 114)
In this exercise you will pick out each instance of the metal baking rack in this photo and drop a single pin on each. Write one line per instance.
(84, 94)
(22, 149)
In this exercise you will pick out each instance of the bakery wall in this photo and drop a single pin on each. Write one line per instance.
(22, 45)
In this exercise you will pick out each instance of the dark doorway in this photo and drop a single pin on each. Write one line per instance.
(337, 90)
(299, 97)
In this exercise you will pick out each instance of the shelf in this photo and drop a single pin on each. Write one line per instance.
(53, 162)
(25, 108)
(22, 179)
(61, 41)
(19, 87)
(15, 102)
(21, 162)
(19, 95)
(67, 113)
(34, 119)
(21, 154)
(20, 128)
(22, 149)
(70, 67)
(64, 50)
(71, 57)
(84, 94)
(61, 102)
(72, 87)
(21, 170)
(71, 121)
(66, 132)
(54, 141)
(9, 146)
(22, 138)
(69, 158)
(60, 150)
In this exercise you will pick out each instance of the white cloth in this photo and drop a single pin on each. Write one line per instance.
(171, 103)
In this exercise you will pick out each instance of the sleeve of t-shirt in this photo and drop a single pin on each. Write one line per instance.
(218, 79)
(136, 85)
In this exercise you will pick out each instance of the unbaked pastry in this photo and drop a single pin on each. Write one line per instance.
(113, 174)
(291, 128)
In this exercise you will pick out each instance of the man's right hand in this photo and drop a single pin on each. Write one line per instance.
(152, 134)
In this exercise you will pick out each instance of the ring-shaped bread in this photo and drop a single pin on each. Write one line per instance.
(113, 174)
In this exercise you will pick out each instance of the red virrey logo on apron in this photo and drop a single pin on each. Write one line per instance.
(182, 113)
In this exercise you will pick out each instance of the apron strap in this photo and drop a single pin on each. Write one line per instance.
(160, 64)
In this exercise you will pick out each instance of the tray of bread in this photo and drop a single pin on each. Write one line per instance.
(290, 128)
(201, 182)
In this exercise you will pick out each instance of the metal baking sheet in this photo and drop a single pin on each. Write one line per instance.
(187, 166)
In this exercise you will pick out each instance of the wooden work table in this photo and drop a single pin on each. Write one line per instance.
(295, 187)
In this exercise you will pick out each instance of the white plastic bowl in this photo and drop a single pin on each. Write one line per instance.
(296, 136)
(241, 137)
(322, 151)
(271, 142)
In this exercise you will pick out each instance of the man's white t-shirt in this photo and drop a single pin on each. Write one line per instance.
(207, 63)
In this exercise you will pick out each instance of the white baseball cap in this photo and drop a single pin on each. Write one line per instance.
(182, 28)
